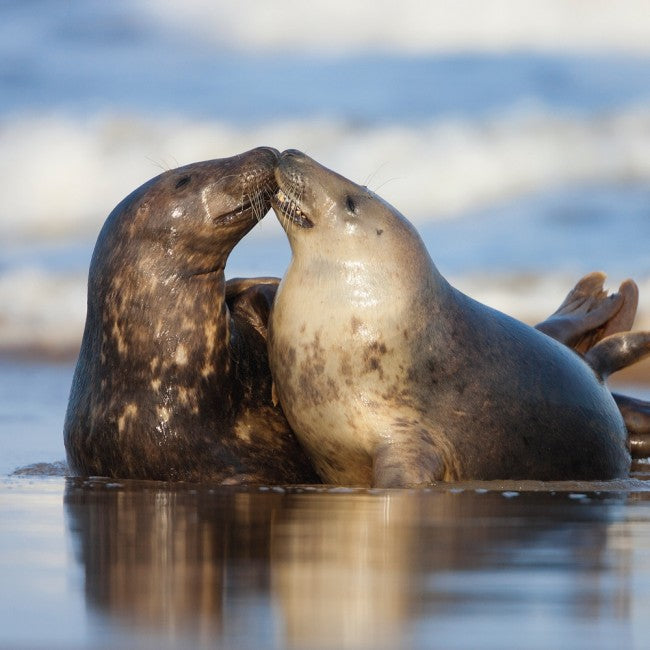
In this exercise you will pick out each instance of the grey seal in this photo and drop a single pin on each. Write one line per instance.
(172, 380)
(391, 377)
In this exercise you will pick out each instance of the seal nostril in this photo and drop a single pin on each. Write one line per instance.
(292, 153)
(272, 150)
(181, 182)
(350, 205)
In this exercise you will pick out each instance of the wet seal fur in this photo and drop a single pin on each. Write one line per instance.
(172, 380)
(391, 377)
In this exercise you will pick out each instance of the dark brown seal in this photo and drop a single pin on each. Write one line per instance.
(391, 377)
(172, 380)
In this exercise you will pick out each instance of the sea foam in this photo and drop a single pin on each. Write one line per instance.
(412, 26)
(60, 176)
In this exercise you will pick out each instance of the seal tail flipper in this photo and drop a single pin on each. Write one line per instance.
(614, 353)
(588, 314)
(623, 320)
(636, 415)
(618, 351)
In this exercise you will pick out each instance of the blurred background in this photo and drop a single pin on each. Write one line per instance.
(515, 135)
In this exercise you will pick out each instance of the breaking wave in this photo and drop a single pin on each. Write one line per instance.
(60, 176)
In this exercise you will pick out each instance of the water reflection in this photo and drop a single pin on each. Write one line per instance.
(309, 568)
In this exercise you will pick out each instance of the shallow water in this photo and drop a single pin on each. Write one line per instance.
(151, 565)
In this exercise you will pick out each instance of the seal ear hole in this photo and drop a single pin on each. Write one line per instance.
(350, 204)
(182, 182)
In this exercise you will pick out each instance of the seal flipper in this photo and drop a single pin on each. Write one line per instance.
(636, 415)
(588, 314)
(408, 464)
(624, 319)
(618, 351)
(614, 353)
(237, 286)
(250, 300)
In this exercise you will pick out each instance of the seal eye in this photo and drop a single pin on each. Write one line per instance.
(350, 205)
(182, 182)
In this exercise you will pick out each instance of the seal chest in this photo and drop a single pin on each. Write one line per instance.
(391, 377)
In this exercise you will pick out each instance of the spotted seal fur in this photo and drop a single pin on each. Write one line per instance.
(172, 380)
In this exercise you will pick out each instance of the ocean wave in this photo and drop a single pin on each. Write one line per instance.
(412, 26)
(60, 176)
(42, 313)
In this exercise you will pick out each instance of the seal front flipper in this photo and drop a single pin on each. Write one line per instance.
(237, 286)
(251, 299)
(413, 462)
(588, 314)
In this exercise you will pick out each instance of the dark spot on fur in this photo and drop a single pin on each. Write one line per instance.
(355, 324)
(377, 348)
(372, 357)
(314, 386)
(333, 388)
(345, 367)
(379, 231)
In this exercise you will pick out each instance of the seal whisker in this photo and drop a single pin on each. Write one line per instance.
(368, 180)
(388, 180)
(163, 166)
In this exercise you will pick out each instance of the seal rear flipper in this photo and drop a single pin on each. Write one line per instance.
(410, 463)
(588, 314)
(636, 415)
(617, 352)
(623, 320)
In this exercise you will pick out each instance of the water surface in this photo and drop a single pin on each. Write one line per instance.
(127, 564)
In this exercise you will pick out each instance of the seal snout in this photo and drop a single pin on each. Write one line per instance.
(250, 184)
(287, 201)
(289, 208)
(272, 150)
(293, 154)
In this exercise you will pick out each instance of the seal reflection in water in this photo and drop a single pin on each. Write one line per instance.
(172, 380)
(391, 377)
